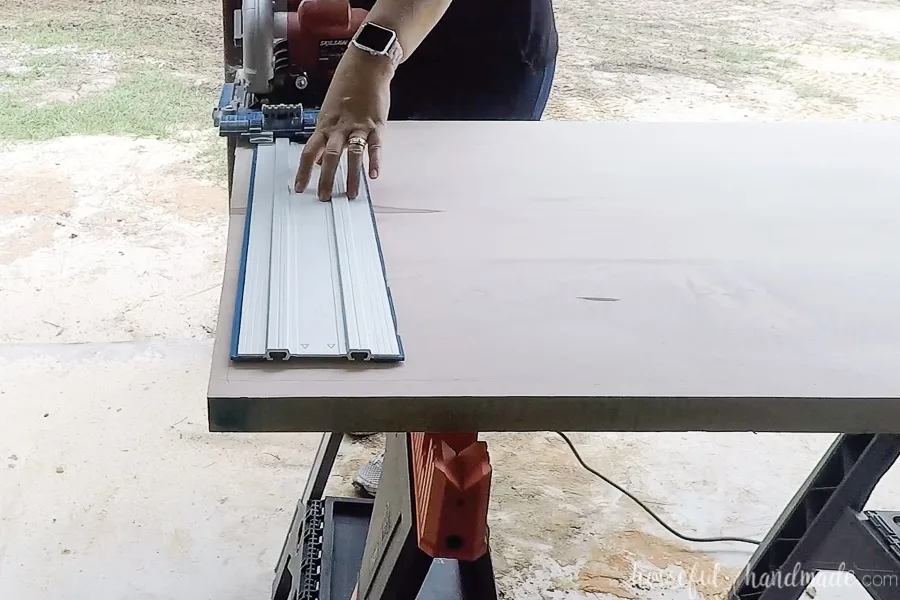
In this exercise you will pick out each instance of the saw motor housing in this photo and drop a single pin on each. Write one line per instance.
(290, 50)
(292, 55)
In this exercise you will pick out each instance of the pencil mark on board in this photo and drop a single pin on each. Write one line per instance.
(401, 211)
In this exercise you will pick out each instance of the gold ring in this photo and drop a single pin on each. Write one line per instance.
(356, 141)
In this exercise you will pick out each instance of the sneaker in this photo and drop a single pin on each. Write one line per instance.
(369, 475)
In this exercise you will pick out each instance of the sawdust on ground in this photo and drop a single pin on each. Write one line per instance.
(631, 562)
(108, 239)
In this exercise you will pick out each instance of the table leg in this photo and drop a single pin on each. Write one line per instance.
(321, 467)
(230, 149)
(289, 562)
(824, 527)
(477, 579)
(232, 54)
(393, 565)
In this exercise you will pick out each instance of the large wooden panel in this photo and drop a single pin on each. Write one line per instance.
(614, 276)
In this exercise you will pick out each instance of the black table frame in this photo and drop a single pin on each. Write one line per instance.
(823, 528)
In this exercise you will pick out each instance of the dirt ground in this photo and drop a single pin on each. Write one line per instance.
(728, 61)
(113, 209)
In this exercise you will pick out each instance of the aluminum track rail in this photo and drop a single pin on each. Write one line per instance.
(312, 281)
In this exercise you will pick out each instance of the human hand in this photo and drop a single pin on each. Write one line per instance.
(352, 116)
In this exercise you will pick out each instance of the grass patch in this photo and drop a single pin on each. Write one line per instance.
(885, 51)
(50, 61)
(741, 54)
(176, 39)
(854, 47)
(810, 91)
(144, 105)
(752, 60)
(43, 66)
(17, 77)
(50, 65)
(98, 35)
(891, 51)
(166, 56)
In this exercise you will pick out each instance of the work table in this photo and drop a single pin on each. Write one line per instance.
(612, 276)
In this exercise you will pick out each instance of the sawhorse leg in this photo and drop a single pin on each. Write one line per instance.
(824, 527)
(290, 564)
(394, 567)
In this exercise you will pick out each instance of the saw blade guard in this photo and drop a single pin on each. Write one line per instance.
(258, 40)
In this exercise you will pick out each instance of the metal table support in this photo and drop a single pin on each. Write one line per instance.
(392, 567)
(824, 527)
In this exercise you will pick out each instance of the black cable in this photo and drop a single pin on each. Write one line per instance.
(646, 508)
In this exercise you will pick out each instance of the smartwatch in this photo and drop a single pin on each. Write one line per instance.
(378, 41)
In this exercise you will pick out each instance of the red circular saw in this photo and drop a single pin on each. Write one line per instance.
(289, 56)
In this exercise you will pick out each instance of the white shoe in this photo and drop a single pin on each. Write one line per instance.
(368, 477)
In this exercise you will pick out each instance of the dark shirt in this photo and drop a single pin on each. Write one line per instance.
(490, 33)
(485, 59)
(505, 29)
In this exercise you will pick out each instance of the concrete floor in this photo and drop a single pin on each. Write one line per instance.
(112, 489)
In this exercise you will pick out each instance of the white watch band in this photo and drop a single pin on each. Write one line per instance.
(395, 52)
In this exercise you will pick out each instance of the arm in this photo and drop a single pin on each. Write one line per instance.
(356, 104)
(413, 20)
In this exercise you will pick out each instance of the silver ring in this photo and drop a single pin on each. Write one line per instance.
(357, 141)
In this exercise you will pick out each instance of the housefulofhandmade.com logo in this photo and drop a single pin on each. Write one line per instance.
(798, 577)
(706, 576)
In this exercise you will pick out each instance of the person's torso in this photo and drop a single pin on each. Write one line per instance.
(495, 31)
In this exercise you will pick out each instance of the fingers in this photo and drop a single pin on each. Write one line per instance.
(330, 160)
(326, 150)
(375, 152)
(356, 145)
(311, 154)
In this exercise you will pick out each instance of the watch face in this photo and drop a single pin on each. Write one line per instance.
(375, 37)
